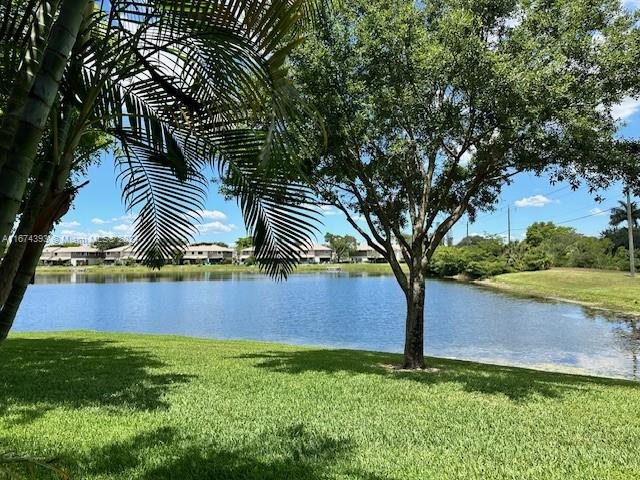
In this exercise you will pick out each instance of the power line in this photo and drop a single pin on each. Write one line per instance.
(546, 194)
(564, 222)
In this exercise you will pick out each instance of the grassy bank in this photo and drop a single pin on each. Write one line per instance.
(148, 407)
(375, 268)
(597, 288)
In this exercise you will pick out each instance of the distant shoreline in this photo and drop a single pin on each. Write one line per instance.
(607, 290)
(374, 268)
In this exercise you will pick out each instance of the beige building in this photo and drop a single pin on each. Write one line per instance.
(245, 254)
(121, 255)
(74, 256)
(366, 254)
(207, 254)
(317, 254)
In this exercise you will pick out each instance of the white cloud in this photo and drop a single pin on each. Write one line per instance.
(98, 221)
(215, 227)
(534, 201)
(123, 227)
(69, 225)
(597, 212)
(209, 214)
(626, 109)
(632, 4)
(328, 210)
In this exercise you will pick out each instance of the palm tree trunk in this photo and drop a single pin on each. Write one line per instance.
(53, 209)
(22, 151)
(26, 229)
(26, 75)
(21, 281)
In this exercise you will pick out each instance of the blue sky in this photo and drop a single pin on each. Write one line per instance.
(99, 211)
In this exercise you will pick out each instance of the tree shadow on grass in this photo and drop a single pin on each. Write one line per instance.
(41, 374)
(293, 452)
(517, 384)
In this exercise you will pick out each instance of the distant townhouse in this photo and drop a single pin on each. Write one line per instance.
(245, 254)
(367, 254)
(74, 256)
(47, 257)
(121, 255)
(207, 254)
(317, 254)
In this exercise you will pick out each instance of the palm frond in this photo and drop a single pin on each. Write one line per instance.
(193, 82)
(276, 204)
(159, 181)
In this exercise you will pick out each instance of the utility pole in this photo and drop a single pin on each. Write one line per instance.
(509, 225)
(632, 253)
(467, 228)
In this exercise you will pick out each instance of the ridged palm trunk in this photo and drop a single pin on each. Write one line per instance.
(414, 332)
(54, 208)
(26, 228)
(22, 151)
(26, 75)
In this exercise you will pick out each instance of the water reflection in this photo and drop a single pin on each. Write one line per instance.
(339, 310)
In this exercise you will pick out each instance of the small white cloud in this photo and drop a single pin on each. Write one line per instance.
(98, 221)
(534, 201)
(597, 212)
(209, 214)
(123, 227)
(625, 109)
(69, 225)
(215, 227)
(328, 210)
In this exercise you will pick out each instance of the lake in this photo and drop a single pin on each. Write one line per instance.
(340, 310)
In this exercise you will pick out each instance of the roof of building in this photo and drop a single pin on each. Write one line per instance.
(124, 248)
(207, 248)
(80, 249)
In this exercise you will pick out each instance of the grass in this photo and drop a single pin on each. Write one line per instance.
(119, 406)
(596, 288)
(370, 268)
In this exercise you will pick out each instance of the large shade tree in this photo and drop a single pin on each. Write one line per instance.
(180, 85)
(431, 108)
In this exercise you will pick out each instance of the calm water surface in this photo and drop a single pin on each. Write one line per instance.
(339, 310)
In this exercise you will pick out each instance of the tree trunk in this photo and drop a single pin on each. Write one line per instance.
(26, 75)
(21, 281)
(26, 229)
(414, 333)
(54, 209)
(22, 151)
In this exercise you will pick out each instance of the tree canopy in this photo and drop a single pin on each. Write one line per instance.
(431, 108)
(342, 245)
(107, 243)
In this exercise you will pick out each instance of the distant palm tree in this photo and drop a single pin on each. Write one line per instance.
(619, 214)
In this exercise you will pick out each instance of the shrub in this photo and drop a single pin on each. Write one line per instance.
(486, 268)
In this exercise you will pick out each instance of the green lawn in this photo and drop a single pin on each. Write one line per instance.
(148, 407)
(597, 288)
(373, 268)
